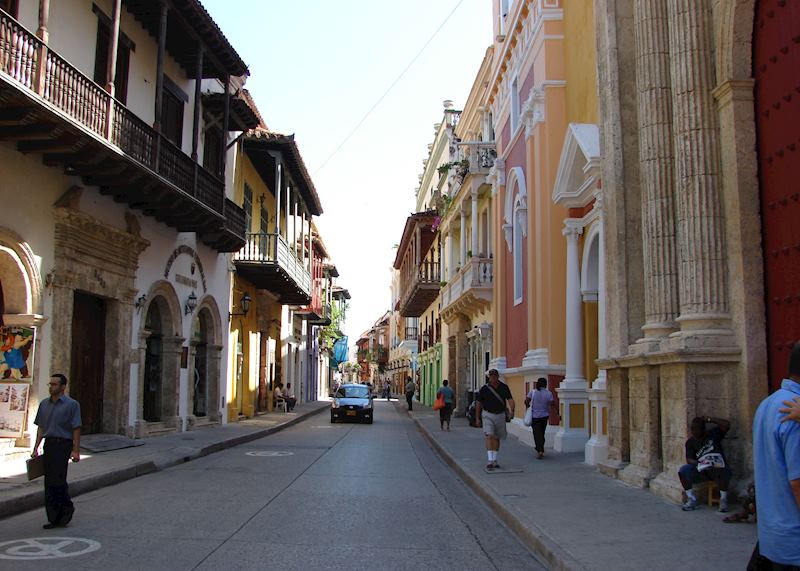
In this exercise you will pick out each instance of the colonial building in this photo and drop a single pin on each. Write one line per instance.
(403, 341)
(280, 270)
(542, 97)
(115, 120)
(698, 116)
(467, 244)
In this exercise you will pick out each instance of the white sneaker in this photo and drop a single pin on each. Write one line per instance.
(690, 505)
(723, 506)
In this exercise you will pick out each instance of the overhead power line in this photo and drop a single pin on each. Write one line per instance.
(389, 89)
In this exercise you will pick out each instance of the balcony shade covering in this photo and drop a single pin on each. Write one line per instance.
(257, 141)
(188, 24)
(423, 219)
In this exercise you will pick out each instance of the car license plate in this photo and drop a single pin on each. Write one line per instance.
(351, 413)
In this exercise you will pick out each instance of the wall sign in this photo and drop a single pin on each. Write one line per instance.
(196, 263)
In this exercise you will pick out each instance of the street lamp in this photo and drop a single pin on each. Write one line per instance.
(191, 304)
(244, 303)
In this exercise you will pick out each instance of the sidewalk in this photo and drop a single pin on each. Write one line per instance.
(573, 517)
(96, 470)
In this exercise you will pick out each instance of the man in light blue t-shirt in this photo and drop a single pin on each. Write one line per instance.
(776, 455)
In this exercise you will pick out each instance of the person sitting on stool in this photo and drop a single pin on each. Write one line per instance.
(705, 460)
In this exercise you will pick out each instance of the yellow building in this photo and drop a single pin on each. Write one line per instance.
(275, 273)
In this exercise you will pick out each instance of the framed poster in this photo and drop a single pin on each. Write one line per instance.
(16, 377)
(13, 406)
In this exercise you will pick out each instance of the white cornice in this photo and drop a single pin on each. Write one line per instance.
(578, 167)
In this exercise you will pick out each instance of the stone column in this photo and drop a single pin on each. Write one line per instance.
(572, 433)
(462, 254)
(701, 236)
(654, 99)
(474, 225)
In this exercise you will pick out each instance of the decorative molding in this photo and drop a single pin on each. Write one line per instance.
(515, 202)
(579, 166)
(497, 175)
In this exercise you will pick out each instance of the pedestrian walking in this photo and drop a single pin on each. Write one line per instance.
(776, 457)
(446, 393)
(495, 407)
(59, 422)
(410, 389)
(541, 401)
(387, 390)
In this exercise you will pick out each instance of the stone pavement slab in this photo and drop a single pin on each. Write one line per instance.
(96, 470)
(573, 517)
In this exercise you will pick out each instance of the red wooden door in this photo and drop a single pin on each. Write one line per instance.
(776, 62)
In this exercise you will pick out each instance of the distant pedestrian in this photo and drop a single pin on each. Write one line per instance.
(776, 457)
(410, 389)
(541, 401)
(449, 400)
(705, 460)
(59, 423)
(288, 395)
(495, 407)
(387, 390)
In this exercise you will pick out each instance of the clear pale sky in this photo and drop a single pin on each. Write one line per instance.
(316, 67)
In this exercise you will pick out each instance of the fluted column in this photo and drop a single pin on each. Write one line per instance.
(654, 101)
(701, 237)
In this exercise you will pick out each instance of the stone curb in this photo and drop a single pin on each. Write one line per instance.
(34, 499)
(534, 538)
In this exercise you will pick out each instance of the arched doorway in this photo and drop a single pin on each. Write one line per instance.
(201, 335)
(777, 26)
(153, 364)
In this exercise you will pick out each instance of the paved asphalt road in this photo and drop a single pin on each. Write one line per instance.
(314, 496)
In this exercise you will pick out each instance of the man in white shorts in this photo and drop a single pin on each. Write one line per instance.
(494, 405)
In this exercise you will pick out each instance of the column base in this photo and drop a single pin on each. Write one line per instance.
(667, 485)
(570, 440)
(536, 358)
(611, 468)
(596, 450)
(636, 476)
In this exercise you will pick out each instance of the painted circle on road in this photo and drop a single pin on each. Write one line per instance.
(270, 453)
(47, 548)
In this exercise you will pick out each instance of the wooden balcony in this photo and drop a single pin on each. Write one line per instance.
(269, 263)
(420, 289)
(47, 106)
(469, 292)
(324, 317)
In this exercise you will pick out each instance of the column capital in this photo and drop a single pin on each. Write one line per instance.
(572, 229)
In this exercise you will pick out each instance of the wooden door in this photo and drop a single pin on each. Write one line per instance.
(776, 61)
(88, 358)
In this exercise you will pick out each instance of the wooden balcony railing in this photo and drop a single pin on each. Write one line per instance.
(44, 74)
(272, 249)
(411, 334)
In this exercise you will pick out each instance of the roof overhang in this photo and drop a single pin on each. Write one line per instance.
(242, 116)
(264, 140)
(425, 220)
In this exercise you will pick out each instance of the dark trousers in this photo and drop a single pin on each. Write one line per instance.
(539, 426)
(56, 491)
(410, 400)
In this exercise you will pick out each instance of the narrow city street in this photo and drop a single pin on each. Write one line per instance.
(315, 496)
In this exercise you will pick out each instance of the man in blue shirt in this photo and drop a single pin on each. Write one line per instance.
(776, 455)
(59, 423)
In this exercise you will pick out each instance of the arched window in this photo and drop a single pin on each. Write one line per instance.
(516, 227)
(519, 270)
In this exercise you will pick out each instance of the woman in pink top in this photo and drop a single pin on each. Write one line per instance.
(541, 399)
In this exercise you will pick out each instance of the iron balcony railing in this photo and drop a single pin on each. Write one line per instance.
(272, 249)
(411, 334)
(32, 65)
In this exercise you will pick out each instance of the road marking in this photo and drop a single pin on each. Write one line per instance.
(47, 548)
(270, 453)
